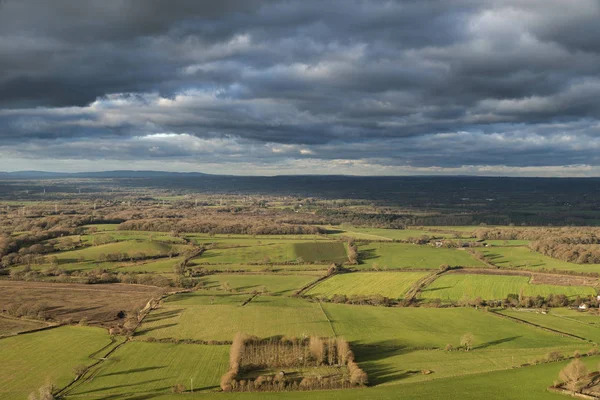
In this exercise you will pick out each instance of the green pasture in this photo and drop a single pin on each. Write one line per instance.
(151, 368)
(588, 329)
(435, 328)
(500, 243)
(455, 287)
(523, 257)
(388, 284)
(409, 256)
(264, 316)
(273, 284)
(378, 234)
(29, 360)
(323, 251)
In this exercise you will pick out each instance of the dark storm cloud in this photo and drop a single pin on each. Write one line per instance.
(393, 83)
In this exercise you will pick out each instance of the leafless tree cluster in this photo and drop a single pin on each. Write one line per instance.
(251, 353)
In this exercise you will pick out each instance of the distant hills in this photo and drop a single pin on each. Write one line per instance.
(101, 174)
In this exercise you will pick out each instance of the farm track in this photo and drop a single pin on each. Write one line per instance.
(412, 293)
(151, 305)
(312, 284)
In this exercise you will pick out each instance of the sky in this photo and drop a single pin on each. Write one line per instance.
(482, 87)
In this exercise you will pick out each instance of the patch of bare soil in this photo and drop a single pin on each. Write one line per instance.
(103, 304)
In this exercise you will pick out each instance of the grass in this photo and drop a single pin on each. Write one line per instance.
(309, 252)
(148, 247)
(274, 284)
(11, 326)
(151, 368)
(500, 243)
(388, 284)
(29, 360)
(162, 266)
(515, 384)
(382, 234)
(523, 257)
(417, 328)
(454, 287)
(561, 321)
(265, 316)
(407, 256)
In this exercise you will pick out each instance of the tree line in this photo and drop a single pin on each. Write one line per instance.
(249, 353)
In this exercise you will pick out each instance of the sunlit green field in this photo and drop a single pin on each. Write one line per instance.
(29, 360)
(264, 316)
(587, 328)
(454, 287)
(383, 234)
(403, 256)
(515, 384)
(273, 284)
(151, 368)
(523, 257)
(388, 284)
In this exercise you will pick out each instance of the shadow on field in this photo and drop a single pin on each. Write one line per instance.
(368, 254)
(372, 357)
(158, 316)
(436, 289)
(154, 328)
(495, 342)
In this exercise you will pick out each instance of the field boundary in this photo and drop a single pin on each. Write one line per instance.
(555, 331)
(328, 319)
(312, 284)
(414, 290)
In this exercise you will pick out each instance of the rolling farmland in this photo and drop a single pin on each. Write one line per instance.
(410, 256)
(454, 287)
(388, 284)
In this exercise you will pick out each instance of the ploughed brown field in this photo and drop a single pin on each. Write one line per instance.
(102, 304)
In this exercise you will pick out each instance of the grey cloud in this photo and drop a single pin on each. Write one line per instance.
(415, 83)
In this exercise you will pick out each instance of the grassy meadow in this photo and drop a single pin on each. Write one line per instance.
(523, 257)
(28, 361)
(316, 251)
(152, 368)
(264, 316)
(389, 284)
(271, 283)
(455, 287)
(411, 256)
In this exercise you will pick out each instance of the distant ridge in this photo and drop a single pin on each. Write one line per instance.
(100, 174)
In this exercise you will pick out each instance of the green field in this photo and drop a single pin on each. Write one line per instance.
(313, 269)
(151, 368)
(28, 361)
(320, 251)
(389, 284)
(454, 287)
(523, 257)
(131, 247)
(273, 284)
(515, 384)
(563, 322)
(434, 328)
(407, 256)
(500, 243)
(378, 234)
(264, 316)
(161, 266)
